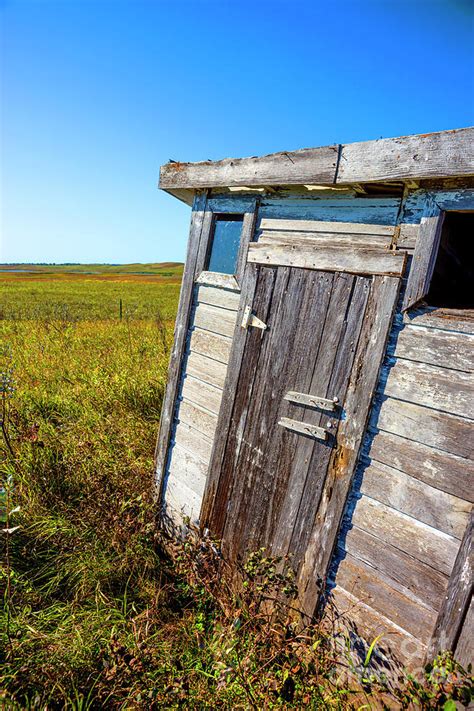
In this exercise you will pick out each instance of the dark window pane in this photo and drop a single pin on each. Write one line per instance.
(225, 244)
(453, 276)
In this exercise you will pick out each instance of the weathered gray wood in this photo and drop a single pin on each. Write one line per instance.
(202, 420)
(217, 487)
(458, 597)
(447, 153)
(448, 433)
(179, 342)
(303, 428)
(193, 441)
(181, 501)
(222, 281)
(395, 643)
(210, 344)
(247, 235)
(215, 319)
(206, 369)
(438, 388)
(257, 415)
(368, 357)
(334, 373)
(312, 400)
(444, 319)
(356, 261)
(309, 165)
(436, 468)
(408, 236)
(464, 651)
(314, 346)
(202, 394)
(216, 296)
(433, 346)
(406, 533)
(371, 587)
(431, 155)
(326, 239)
(424, 258)
(188, 469)
(425, 583)
(329, 227)
(394, 488)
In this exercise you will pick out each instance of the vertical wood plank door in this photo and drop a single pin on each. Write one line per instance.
(277, 487)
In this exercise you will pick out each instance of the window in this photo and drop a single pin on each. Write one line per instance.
(225, 244)
(452, 283)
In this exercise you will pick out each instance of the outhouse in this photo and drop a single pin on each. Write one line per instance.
(320, 400)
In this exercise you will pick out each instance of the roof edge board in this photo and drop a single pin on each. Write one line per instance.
(422, 156)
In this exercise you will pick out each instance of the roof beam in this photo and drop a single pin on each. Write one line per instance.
(432, 155)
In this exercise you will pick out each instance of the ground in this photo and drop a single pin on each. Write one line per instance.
(97, 612)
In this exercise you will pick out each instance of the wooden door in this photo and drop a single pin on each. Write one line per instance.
(278, 482)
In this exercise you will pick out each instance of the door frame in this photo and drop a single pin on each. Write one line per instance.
(427, 244)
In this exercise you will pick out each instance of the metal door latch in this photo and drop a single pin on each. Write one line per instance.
(250, 320)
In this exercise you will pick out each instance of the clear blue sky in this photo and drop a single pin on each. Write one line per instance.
(96, 94)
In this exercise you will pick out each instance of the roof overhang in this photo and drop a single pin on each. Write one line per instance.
(447, 154)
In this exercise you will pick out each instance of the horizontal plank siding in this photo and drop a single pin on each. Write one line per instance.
(424, 582)
(342, 228)
(413, 537)
(357, 261)
(441, 430)
(428, 385)
(454, 351)
(200, 393)
(215, 319)
(410, 496)
(215, 296)
(442, 470)
(206, 369)
(188, 469)
(371, 587)
(325, 239)
(211, 345)
(459, 321)
(193, 441)
(181, 501)
(393, 642)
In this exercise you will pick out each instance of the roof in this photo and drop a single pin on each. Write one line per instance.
(445, 154)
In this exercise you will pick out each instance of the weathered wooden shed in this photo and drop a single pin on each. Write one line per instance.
(320, 400)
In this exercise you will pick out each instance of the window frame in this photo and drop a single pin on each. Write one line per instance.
(217, 206)
(428, 241)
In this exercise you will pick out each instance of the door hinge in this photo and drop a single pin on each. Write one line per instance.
(312, 400)
(250, 320)
(304, 428)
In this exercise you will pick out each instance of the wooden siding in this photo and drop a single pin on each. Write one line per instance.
(406, 519)
(412, 496)
(204, 367)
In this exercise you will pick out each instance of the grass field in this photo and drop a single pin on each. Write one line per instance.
(96, 614)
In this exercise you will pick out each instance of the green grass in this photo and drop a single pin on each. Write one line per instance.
(164, 269)
(73, 297)
(96, 614)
